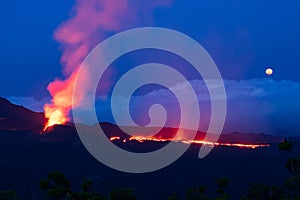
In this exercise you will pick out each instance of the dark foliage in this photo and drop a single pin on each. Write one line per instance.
(56, 186)
(293, 165)
(286, 145)
(8, 195)
(122, 194)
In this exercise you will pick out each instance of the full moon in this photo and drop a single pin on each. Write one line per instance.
(269, 71)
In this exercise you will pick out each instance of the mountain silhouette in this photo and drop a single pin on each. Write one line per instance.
(19, 118)
(16, 118)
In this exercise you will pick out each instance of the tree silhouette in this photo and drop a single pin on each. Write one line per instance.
(203, 195)
(259, 192)
(122, 194)
(173, 197)
(87, 192)
(56, 186)
(285, 145)
(293, 165)
(293, 184)
(222, 184)
(86, 185)
(192, 194)
(8, 195)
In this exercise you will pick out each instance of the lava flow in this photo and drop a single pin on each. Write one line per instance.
(143, 139)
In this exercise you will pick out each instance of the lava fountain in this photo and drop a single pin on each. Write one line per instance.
(57, 111)
(89, 23)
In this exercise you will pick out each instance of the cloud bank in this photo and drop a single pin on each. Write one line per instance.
(256, 105)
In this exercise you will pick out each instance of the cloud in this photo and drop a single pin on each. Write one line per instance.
(255, 105)
(30, 102)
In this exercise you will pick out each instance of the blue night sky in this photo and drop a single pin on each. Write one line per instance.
(243, 37)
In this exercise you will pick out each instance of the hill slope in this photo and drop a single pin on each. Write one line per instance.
(13, 117)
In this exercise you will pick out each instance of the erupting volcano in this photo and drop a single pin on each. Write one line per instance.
(90, 21)
(57, 111)
(54, 116)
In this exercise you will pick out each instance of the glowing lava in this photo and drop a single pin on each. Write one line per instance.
(54, 116)
(77, 36)
(114, 138)
(143, 139)
(58, 110)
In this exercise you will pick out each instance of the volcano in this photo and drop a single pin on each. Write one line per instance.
(19, 118)
(27, 155)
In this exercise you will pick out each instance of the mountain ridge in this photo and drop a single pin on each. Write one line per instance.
(14, 117)
(18, 118)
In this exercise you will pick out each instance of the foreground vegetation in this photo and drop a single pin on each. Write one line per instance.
(56, 187)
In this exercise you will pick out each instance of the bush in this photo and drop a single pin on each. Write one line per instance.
(56, 186)
(293, 184)
(285, 145)
(8, 195)
(293, 165)
(122, 194)
(173, 197)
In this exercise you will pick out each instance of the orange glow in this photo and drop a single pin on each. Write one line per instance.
(54, 116)
(114, 138)
(57, 111)
(143, 139)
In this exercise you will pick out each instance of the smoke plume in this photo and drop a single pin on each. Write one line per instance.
(90, 22)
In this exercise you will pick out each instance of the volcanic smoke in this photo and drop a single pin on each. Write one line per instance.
(90, 22)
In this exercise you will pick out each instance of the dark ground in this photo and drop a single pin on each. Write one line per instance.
(26, 158)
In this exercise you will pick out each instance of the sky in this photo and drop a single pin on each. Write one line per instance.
(243, 37)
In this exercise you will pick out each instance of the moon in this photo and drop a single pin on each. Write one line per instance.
(269, 71)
